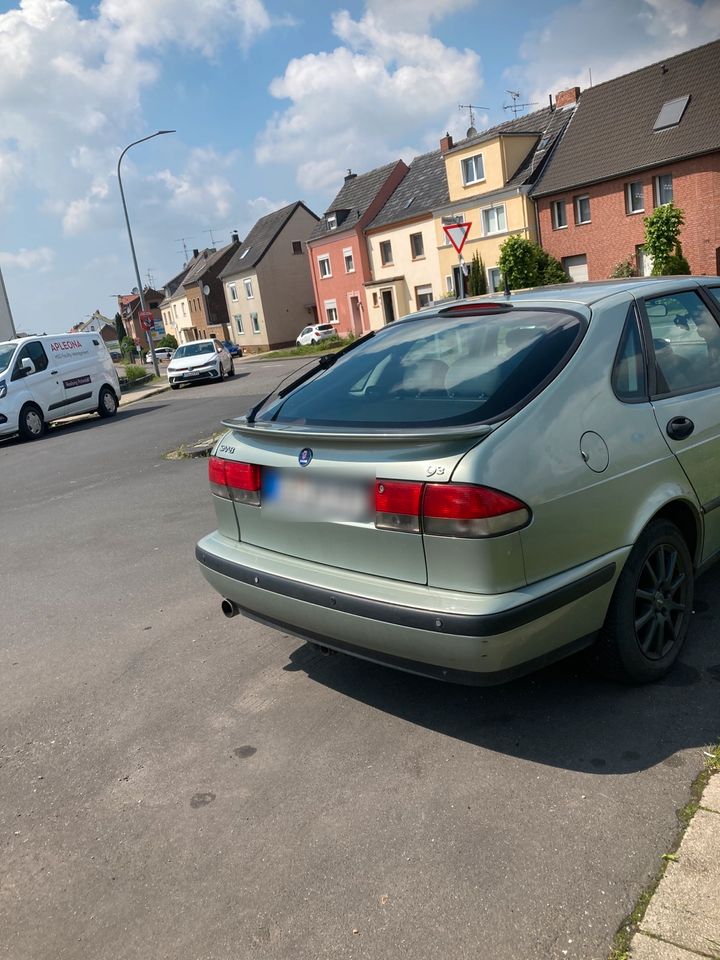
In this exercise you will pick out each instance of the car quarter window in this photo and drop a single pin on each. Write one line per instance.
(36, 353)
(685, 341)
(628, 376)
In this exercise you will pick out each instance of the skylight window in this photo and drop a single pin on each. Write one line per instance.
(409, 202)
(543, 143)
(244, 253)
(671, 113)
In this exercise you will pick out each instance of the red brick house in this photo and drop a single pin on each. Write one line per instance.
(339, 261)
(634, 143)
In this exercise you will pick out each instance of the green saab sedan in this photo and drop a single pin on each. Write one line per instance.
(486, 486)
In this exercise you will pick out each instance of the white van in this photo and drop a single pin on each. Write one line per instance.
(46, 378)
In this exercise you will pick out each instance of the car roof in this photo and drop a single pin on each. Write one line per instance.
(586, 294)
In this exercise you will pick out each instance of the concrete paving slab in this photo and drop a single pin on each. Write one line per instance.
(648, 948)
(711, 794)
(136, 395)
(685, 909)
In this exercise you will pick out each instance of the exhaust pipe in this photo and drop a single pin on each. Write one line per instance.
(321, 648)
(229, 608)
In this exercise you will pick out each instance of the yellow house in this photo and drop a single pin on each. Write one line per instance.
(489, 176)
(402, 244)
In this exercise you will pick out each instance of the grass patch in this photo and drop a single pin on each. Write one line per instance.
(312, 349)
(198, 448)
(621, 942)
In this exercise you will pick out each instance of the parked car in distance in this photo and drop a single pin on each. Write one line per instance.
(46, 378)
(162, 353)
(199, 360)
(482, 488)
(232, 348)
(315, 333)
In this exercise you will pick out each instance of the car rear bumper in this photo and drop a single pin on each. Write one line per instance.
(445, 634)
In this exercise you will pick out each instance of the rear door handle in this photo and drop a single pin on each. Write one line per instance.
(53, 373)
(679, 428)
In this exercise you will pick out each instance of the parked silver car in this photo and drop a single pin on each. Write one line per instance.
(487, 486)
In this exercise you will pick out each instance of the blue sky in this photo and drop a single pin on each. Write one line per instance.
(272, 100)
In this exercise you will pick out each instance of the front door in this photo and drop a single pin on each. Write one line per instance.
(685, 335)
(44, 384)
(356, 316)
(388, 306)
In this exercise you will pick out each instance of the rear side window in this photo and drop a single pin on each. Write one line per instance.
(628, 377)
(437, 370)
(686, 342)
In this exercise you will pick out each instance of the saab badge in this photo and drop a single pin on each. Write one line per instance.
(305, 456)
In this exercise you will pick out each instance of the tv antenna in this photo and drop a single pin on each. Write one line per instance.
(515, 106)
(212, 238)
(471, 107)
(183, 241)
(151, 280)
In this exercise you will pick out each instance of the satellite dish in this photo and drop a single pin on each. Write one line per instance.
(206, 290)
(135, 291)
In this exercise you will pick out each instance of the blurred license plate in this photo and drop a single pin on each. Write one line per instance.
(291, 495)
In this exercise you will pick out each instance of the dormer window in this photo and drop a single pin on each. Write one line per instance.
(473, 169)
(332, 221)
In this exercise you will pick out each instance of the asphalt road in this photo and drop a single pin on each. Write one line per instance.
(177, 785)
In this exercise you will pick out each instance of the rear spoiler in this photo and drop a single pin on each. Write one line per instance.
(389, 435)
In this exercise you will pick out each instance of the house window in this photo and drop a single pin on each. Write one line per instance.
(238, 323)
(663, 189)
(376, 300)
(582, 209)
(324, 266)
(423, 295)
(417, 246)
(386, 252)
(175, 309)
(233, 292)
(247, 283)
(494, 279)
(255, 322)
(332, 221)
(349, 262)
(331, 311)
(559, 214)
(473, 169)
(494, 220)
(184, 308)
(634, 200)
(297, 247)
(449, 286)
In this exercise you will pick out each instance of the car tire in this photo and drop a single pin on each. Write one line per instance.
(174, 386)
(107, 403)
(221, 372)
(650, 611)
(31, 424)
(231, 371)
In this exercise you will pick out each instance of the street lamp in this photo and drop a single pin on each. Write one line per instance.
(159, 133)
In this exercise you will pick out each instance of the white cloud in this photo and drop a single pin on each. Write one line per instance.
(415, 15)
(261, 206)
(610, 38)
(359, 104)
(199, 192)
(71, 87)
(40, 259)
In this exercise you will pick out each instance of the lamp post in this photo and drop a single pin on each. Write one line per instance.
(159, 133)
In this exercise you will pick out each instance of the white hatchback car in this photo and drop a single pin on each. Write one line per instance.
(199, 360)
(314, 333)
(162, 353)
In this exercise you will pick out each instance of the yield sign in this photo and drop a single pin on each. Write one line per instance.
(457, 234)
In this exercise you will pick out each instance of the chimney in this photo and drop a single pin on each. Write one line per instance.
(234, 237)
(196, 253)
(446, 143)
(350, 175)
(565, 97)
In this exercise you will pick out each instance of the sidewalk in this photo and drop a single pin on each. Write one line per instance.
(682, 921)
(143, 393)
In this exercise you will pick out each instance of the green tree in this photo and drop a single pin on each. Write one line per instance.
(662, 238)
(677, 264)
(525, 264)
(120, 328)
(168, 341)
(476, 282)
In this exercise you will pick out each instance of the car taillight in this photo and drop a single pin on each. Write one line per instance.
(235, 481)
(397, 505)
(447, 509)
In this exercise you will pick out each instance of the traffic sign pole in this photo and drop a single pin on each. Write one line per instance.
(457, 234)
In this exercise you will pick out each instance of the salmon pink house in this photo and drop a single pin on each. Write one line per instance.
(339, 262)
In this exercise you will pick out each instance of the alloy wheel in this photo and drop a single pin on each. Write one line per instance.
(660, 601)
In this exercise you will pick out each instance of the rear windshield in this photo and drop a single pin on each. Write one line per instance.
(195, 349)
(325, 326)
(435, 371)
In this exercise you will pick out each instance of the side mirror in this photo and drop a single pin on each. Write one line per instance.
(27, 366)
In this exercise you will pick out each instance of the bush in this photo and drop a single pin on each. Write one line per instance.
(134, 373)
(168, 341)
(626, 268)
(676, 264)
(525, 264)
